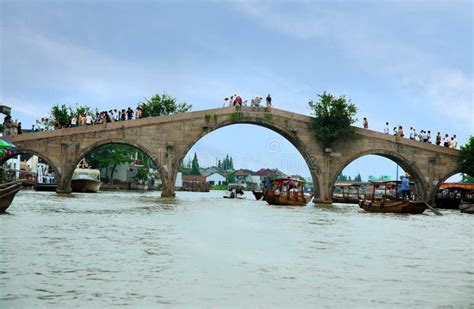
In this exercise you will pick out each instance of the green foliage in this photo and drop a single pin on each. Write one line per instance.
(358, 178)
(79, 110)
(218, 187)
(215, 117)
(164, 104)
(195, 166)
(333, 118)
(235, 116)
(230, 178)
(466, 157)
(226, 163)
(207, 117)
(60, 115)
(269, 117)
(1, 127)
(109, 156)
(466, 178)
(142, 174)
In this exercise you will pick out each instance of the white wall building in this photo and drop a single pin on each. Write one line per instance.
(215, 179)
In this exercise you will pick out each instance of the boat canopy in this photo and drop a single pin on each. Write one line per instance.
(347, 184)
(287, 181)
(457, 185)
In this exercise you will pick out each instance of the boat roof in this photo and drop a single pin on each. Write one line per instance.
(347, 184)
(457, 185)
(388, 181)
(87, 171)
(288, 179)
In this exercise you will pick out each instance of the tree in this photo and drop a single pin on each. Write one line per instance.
(358, 178)
(333, 118)
(195, 166)
(60, 115)
(466, 157)
(466, 178)
(164, 104)
(110, 156)
(141, 175)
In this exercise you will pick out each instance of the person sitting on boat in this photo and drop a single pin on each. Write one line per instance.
(405, 187)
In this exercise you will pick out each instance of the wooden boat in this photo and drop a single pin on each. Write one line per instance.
(287, 191)
(346, 194)
(85, 179)
(388, 203)
(258, 194)
(450, 195)
(7, 193)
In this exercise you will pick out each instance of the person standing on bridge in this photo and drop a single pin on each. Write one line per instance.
(365, 123)
(269, 103)
(386, 130)
(438, 139)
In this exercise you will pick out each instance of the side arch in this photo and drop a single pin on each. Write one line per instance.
(71, 167)
(287, 134)
(402, 161)
(22, 150)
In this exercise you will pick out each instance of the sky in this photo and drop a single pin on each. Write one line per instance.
(406, 62)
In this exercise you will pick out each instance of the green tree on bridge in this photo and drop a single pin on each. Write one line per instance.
(159, 105)
(466, 157)
(333, 118)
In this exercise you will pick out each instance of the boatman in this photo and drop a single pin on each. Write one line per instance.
(405, 188)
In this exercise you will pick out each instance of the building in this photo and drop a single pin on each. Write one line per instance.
(195, 183)
(216, 179)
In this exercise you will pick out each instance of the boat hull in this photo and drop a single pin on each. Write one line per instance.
(395, 206)
(7, 193)
(85, 185)
(258, 194)
(467, 208)
(344, 200)
(299, 200)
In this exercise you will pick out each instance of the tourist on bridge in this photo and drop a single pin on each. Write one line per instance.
(238, 102)
(386, 130)
(412, 133)
(269, 103)
(405, 187)
(129, 114)
(138, 113)
(226, 102)
(446, 140)
(400, 131)
(453, 144)
(365, 123)
(395, 131)
(438, 139)
(429, 137)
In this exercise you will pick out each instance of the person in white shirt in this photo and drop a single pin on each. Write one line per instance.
(386, 130)
(412, 133)
(429, 136)
(454, 142)
(74, 121)
(88, 119)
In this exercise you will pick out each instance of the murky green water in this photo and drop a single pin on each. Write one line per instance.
(199, 250)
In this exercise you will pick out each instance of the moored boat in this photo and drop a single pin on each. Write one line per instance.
(450, 195)
(389, 202)
(287, 191)
(85, 179)
(7, 193)
(346, 193)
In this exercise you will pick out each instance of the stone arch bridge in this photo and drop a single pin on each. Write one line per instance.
(167, 139)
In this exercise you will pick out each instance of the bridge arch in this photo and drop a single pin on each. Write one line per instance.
(70, 168)
(289, 135)
(23, 150)
(396, 157)
(436, 187)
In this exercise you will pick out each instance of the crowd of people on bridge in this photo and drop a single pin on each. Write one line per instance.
(421, 136)
(255, 103)
(79, 119)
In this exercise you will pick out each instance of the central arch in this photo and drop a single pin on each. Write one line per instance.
(70, 170)
(289, 135)
(396, 157)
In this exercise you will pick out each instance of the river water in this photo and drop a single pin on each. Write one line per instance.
(200, 250)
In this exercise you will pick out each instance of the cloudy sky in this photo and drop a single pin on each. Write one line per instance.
(406, 62)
